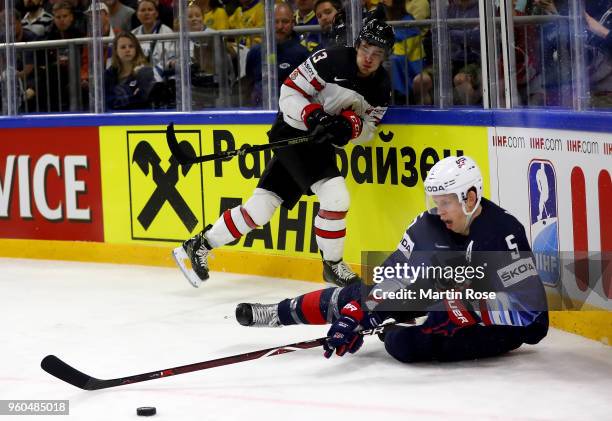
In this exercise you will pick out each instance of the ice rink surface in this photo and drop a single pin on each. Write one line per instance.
(114, 320)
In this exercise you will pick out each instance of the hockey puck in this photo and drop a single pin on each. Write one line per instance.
(146, 411)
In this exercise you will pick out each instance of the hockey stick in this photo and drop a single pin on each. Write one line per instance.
(58, 368)
(185, 158)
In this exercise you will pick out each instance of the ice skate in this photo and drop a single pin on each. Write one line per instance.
(192, 258)
(339, 273)
(258, 315)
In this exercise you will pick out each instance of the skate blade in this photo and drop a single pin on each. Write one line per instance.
(184, 264)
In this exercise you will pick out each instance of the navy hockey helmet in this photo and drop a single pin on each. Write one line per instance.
(378, 33)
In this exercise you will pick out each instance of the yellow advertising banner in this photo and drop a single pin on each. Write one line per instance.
(149, 198)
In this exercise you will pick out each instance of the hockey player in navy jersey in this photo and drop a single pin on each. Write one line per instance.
(338, 95)
(458, 221)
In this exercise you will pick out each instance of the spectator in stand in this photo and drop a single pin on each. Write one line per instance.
(250, 14)
(25, 61)
(407, 54)
(106, 31)
(160, 54)
(465, 59)
(326, 11)
(204, 84)
(289, 54)
(465, 53)
(80, 22)
(598, 17)
(526, 52)
(555, 53)
(64, 26)
(202, 58)
(215, 16)
(24, 64)
(120, 15)
(36, 19)
(200, 49)
(305, 15)
(419, 9)
(166, 12)
(59, 58)
(129, 80)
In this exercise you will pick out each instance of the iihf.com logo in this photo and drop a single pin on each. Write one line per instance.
(543, 217)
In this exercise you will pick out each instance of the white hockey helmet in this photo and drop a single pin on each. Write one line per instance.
(453, 175)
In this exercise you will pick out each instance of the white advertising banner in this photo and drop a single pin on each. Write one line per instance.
(558, 184)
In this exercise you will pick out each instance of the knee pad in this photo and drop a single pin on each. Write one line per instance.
(332, 194)
(262, 205)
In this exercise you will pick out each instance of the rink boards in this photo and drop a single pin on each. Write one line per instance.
(105, 188)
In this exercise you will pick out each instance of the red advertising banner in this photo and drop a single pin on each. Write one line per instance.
(50, 186)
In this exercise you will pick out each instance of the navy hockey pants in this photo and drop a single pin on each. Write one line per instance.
(412, 345)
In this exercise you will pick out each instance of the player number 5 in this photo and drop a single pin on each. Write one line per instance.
(513, 246)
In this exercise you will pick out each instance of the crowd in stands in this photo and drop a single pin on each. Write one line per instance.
(141, 74)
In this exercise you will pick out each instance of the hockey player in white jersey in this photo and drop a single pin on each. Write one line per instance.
(478, 233)
(338, 95)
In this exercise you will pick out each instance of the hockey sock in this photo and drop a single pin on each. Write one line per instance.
(312, 308)
(318, 307)
(330, 231)
(330, 222)
(236, 222)
(231, 225)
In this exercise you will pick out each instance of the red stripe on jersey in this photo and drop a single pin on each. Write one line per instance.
(484, 313)
(330, 234)
(247, 218)
(291, 84)
(333, 215)
(229, 222)
(315, 83)
(311, 308)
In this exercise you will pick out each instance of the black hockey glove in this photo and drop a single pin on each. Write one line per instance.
(315, 116)
(336, 129)
(319, 123)
(346, 126)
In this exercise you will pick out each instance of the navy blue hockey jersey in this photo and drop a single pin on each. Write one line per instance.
(496, 248)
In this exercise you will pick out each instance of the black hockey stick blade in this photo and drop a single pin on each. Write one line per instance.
(184, 157)
(58, 368)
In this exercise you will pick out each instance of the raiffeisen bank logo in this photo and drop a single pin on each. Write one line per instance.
(166, 199)
(543, 220)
